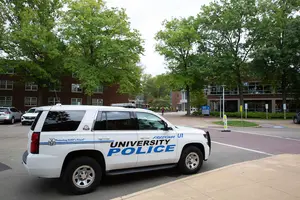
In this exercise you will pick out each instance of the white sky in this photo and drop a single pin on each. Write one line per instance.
(147, 16)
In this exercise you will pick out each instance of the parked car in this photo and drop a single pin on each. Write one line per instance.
(29, 116)
(296, 118)
(10, 115)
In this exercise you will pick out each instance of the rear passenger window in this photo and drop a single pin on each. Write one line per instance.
(115, 121)
(63, 120)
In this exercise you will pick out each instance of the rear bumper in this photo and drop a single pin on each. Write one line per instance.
(41, 165)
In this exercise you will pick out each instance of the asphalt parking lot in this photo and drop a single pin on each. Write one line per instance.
(16, 184)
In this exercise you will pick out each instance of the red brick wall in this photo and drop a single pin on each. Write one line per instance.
(109, 95)
(176, 96)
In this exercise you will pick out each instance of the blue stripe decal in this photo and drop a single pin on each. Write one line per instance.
(78, 142)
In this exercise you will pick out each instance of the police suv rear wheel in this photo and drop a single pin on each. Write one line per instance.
(82, 175)
(191, 160)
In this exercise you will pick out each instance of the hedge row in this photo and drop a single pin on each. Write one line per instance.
(254, 115)
(157, 109)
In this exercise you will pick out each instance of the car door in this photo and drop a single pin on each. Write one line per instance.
(115, 135)
(158, 146)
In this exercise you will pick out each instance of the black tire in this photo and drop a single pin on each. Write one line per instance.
(67, 177)
(296, 121)
(182, 166)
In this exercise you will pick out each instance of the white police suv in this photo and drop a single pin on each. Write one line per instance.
(80, 144)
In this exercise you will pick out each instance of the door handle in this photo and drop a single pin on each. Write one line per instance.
(144, 138)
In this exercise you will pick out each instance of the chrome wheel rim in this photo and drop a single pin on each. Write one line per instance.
(83, 176)
(13, 120)
(295, 121)
(192, 161)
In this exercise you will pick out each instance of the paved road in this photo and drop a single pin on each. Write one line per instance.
(228, 148)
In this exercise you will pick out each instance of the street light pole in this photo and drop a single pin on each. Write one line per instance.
(220, 107)
(223, 100)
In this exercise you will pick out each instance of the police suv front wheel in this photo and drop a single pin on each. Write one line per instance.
(82, 175)
(191, 160)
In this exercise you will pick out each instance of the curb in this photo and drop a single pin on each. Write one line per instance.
(191, 177)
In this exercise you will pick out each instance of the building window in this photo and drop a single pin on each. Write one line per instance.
(76, 101)
(97, 102)
(99, 89)
(53, 100)
(31, 87)
(76, 88)
(30, 101)
(5, 101)
(6, 85)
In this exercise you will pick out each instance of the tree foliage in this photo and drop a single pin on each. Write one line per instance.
(228, 28)
(102, 48)
(31, 41)
(277, 54)
(156, 88)
(178, 43)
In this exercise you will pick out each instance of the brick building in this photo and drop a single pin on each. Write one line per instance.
(256, 95)
(26, 95)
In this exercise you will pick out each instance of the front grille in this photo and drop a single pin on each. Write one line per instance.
(29, 117)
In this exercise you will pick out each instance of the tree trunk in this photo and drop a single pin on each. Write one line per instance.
(40, 96)
(89, 100)
(241, 94)
(188, 107)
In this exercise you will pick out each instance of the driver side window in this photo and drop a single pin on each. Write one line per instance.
(147, 121)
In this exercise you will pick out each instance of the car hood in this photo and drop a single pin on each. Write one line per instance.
(189, 129)
(30, 114)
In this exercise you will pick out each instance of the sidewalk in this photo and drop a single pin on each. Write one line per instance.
(271, 178)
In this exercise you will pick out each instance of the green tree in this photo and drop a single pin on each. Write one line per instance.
(276, 56)
(31, 41)
(157, 87)
(226, 26)
(198, 99)
(102, 48)
(177, 42)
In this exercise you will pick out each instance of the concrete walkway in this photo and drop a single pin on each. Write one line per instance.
(271, 178)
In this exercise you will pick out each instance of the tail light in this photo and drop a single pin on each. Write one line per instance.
(35, 140)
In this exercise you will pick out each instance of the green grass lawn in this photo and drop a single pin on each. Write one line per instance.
(238, 123)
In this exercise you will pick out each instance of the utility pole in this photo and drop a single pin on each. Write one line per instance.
(223, 100)
(220, 107)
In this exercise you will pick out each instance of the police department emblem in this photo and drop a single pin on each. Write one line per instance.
(52, 142)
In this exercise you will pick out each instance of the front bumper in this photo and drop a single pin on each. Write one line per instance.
(208, 141)
(27, 120)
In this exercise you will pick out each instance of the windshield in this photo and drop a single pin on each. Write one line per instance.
(31, 110)
(3, 109)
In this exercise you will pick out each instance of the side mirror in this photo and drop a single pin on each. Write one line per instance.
(167, 128)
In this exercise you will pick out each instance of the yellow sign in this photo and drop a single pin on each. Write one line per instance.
(241, 108)
(225, 122)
